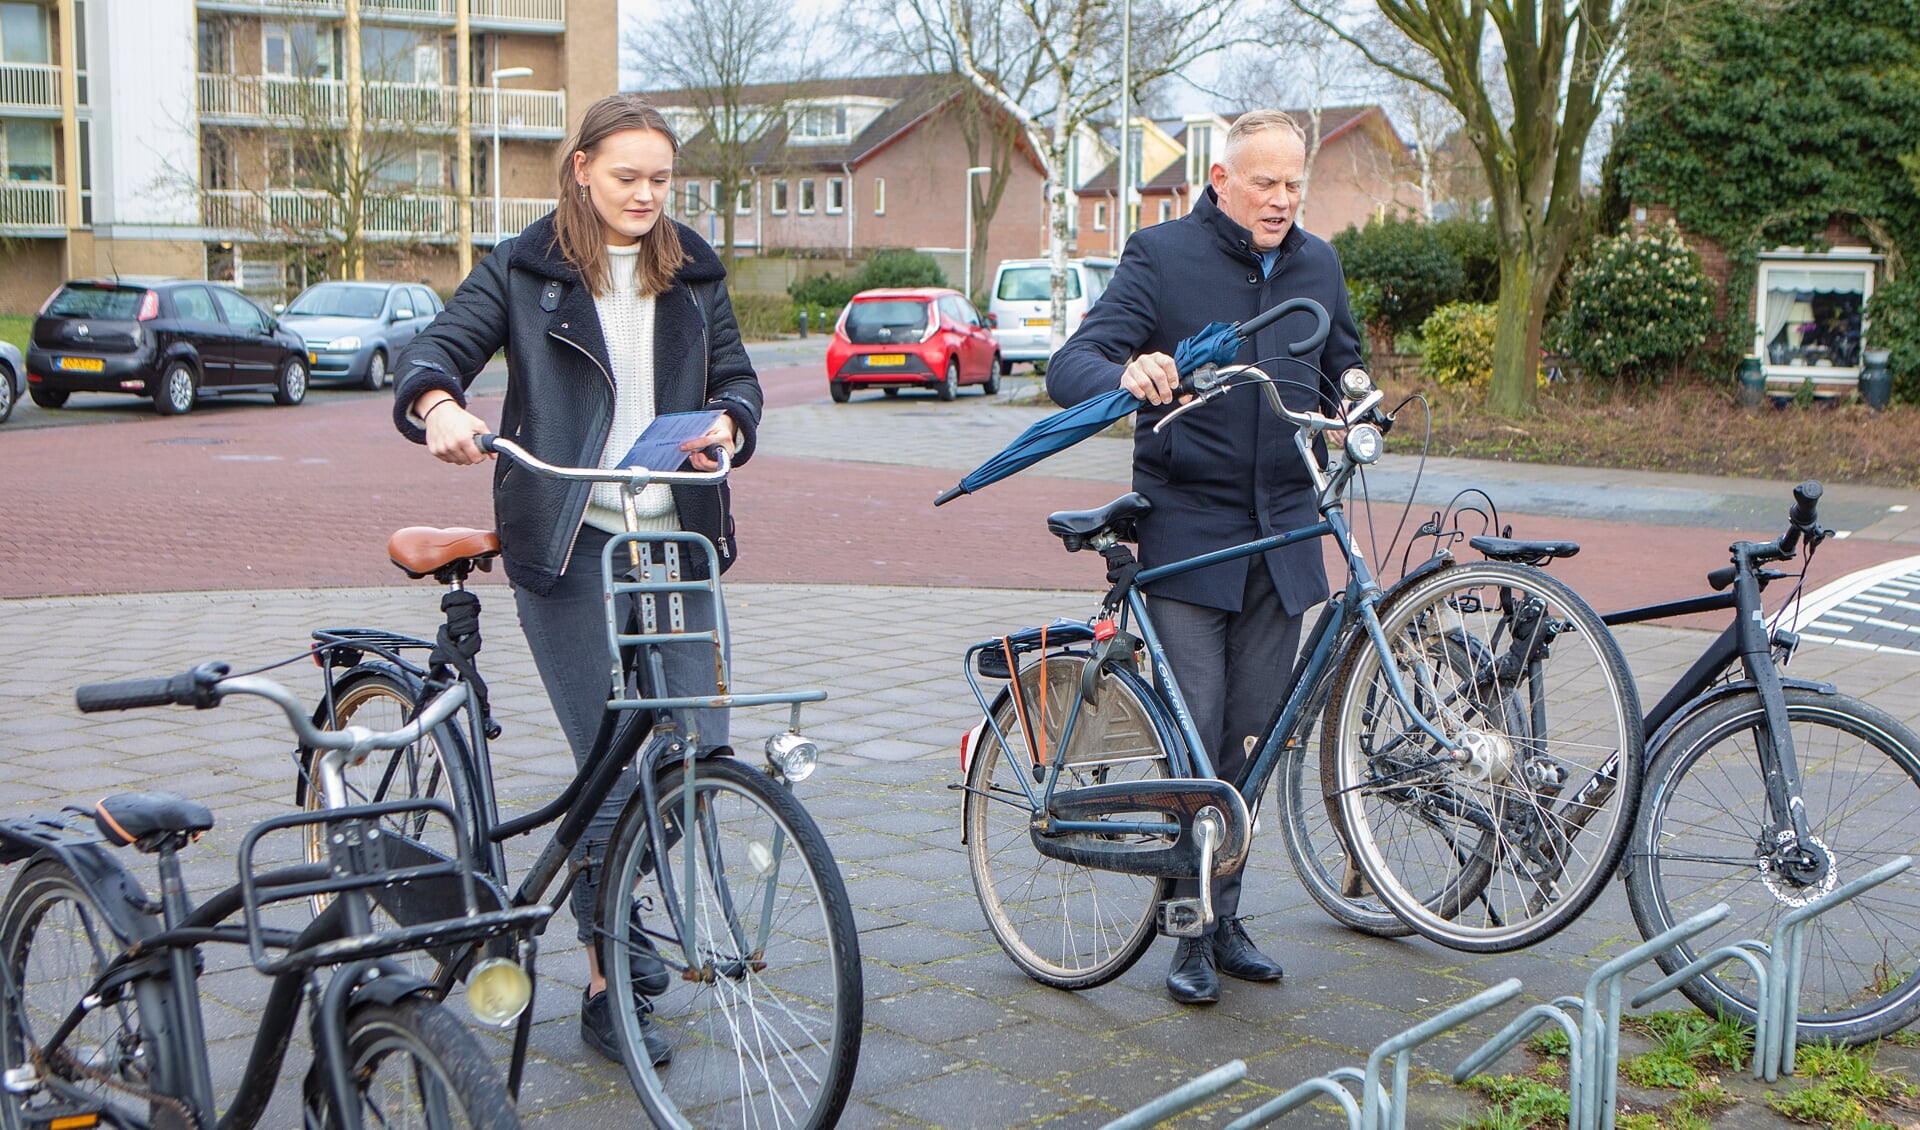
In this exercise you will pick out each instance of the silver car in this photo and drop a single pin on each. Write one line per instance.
(13, 379)
(354, 329)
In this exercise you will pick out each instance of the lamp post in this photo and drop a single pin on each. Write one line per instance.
(503, 72)
(967, 286)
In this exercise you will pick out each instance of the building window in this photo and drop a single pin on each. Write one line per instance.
(26, 148)
(836, 195)
(23, 34)
(216, 161)
(780, 198)
(1810, 316)
(879, 196)
(806, 196)
(297, 50)
(1199, 152)
(215, 53)
(694, 205)
(1166, 210)
(743, 200)
(713, 196)
(1099, 217)
(817, 122)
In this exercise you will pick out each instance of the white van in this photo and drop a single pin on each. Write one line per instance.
(1021, 305)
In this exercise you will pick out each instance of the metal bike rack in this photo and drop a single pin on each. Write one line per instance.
(1380, 1107)
(1593, 1059)
(1182, 1098)
(1789, 957)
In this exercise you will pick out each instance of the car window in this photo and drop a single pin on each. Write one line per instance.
(968, 315)
(894, 319)
(1097, 279)
(241, 314)
(336, 301)
(424, 304)
(96, 302)
(195, 304)
(1033, 284)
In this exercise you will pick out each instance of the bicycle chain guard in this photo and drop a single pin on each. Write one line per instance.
(1174, 805)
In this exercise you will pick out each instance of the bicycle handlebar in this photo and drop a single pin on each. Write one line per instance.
(1321, 323)
(1803, 521)
(207, 684)
(635, 476)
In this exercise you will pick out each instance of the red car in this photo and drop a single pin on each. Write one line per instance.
(918, 337)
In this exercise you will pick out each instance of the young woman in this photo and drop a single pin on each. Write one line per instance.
(610, 314)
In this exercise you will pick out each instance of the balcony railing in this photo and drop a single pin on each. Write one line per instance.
(261, 99)
(523, 15)
(515, 213)
(31, 205)
(291, 213)
(29, 86)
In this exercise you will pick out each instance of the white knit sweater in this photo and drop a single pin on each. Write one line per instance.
(626, 322)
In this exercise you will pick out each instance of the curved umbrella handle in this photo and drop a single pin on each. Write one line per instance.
(1266, 318)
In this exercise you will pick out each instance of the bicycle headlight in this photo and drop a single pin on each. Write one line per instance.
(1364, 443)
(1356, 384)
(348, 342)
(498, 991)
(792, 756)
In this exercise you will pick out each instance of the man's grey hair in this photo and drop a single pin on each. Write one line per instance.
(1258, 121)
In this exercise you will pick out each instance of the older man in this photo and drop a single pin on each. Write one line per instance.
(1225, 473)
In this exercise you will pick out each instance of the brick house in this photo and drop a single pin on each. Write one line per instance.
(848, 166)
(1359, 173)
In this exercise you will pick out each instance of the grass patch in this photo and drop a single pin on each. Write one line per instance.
(1691, 428)
(1685, 1045)
(15, 328)
(1847, 1091)
(1518, 1103)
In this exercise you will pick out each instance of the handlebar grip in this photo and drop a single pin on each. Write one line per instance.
(485, 442)
(1720, 578)
(189, 688)
(1806, 504)
(1313, 341)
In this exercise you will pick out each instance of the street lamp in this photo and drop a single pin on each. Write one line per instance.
(967, 260)
(503, 72)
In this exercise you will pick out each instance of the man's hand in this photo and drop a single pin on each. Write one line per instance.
(450, 429)
(1152, 377)
(722, 434)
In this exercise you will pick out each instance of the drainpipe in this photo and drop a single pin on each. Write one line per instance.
(846, 201)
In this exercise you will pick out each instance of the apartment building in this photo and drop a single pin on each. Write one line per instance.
(268, 142)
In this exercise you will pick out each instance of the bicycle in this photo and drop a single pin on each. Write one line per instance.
(762, 998)
(1086, 789)
(100, 1017)
(1765, 792)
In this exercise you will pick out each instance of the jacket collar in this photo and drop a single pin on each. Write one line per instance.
(538, 250)
(1238, 240)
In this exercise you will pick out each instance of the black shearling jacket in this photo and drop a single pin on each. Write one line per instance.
(559, 405)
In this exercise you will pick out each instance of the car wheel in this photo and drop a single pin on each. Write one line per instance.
(6, 393)
(991, 386)
(292, 388)
(176, 393)
(840, 391)
(47, 397)
(950, 384)
(1006, 366)
(376, 378)
(892, 392)
(1039, 368)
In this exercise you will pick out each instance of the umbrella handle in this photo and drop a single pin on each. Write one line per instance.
(1313, 341)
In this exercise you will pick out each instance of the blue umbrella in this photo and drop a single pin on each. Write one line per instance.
(1217, 344)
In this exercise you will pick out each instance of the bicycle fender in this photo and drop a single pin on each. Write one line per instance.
(390, 988)
(115, 891)
(379, 666)
(1700, 702)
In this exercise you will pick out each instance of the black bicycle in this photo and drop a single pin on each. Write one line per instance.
(714, 868)
(100, 1019)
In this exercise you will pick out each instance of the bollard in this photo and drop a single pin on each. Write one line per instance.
(803, 325)
(1182, 1098)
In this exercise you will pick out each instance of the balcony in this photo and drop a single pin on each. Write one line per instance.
(313, 103)
(293, 213)
(30, 90)
(515, 213)
(32, 209)
(542, 16)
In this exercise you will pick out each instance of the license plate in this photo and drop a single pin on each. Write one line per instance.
(1039, 321)
(83, 364)
(886, 359)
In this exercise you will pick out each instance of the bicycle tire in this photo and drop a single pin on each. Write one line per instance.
(54, 942)
(766, 1030)
(1064, 924)
(414, 1065)
(1694, 845)
(1504, 850)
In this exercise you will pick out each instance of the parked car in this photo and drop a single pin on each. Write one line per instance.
(353, 330)
(911, 337)
(170, 339)
(13, 379)
(1021, 309)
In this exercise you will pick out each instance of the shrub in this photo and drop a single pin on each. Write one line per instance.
(1400, 270)
(823, 291)
(1635, 308)
(763, 316)
(1893, 324)
(1472, 242)
(1457, 344)
(898, 267)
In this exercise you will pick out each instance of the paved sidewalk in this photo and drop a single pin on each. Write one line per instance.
(956, 1036)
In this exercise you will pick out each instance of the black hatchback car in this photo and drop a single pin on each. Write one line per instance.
(173, 340)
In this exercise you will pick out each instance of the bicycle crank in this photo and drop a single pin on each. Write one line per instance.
(1145, 827)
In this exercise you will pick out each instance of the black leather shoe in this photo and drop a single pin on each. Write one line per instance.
(598, 1031)
(1192, 980)
(1236, 955)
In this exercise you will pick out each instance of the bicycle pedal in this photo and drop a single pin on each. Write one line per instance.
(67, 1112)
(1182, 918)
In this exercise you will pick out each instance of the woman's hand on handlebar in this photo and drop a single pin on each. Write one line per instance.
(1152, 377)
(724, 433)
(450, 430)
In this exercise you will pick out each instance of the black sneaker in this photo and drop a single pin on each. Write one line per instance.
(649, 973)
(599, 1032)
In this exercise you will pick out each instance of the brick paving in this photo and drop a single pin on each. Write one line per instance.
(851, 583)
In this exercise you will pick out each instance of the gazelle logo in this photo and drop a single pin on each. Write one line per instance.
(83, 330)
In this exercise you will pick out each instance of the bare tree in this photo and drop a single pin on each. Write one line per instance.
(1301, 66)
(1560, 60)
(727, 58)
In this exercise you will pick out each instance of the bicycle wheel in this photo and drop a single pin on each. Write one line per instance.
(1064, 924)
(54, 943)
(1700, 840)
(1311, 827)
(413, 1065)
(1507, 842)
(764, 1011)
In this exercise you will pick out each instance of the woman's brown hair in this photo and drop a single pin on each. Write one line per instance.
(578, 233)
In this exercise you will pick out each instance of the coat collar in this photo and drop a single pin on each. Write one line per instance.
(1238, 240)
(538, 250)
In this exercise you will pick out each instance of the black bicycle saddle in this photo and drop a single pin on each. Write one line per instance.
(1075, 526)
(138, 818)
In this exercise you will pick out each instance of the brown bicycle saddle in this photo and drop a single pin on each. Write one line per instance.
(421, 551)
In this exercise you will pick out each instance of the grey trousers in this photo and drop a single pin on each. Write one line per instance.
(1233, 669)
(567, 634)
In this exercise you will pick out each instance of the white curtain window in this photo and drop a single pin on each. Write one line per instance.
(1811, 314)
